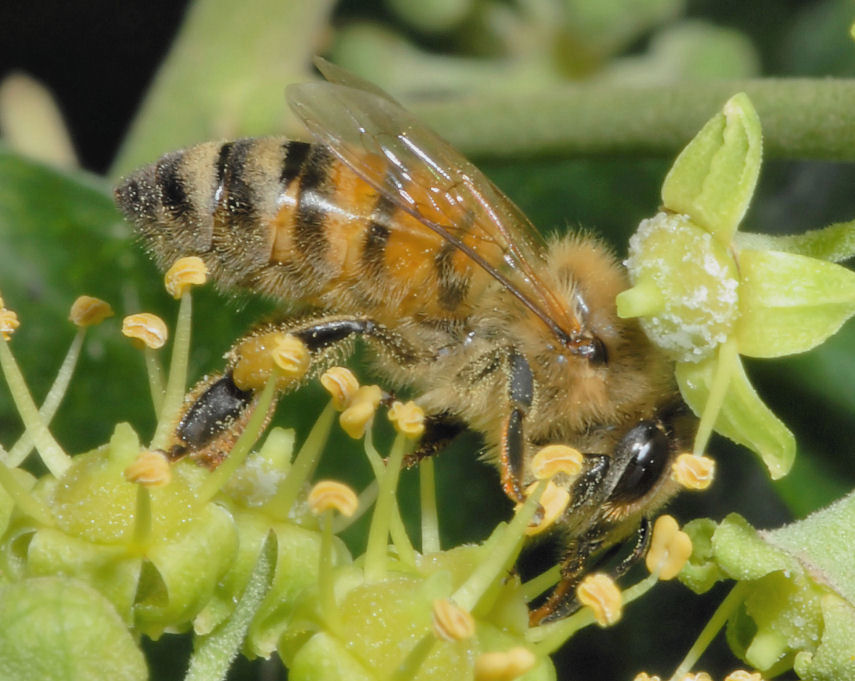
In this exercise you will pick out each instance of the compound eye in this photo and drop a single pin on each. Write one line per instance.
(644, 453)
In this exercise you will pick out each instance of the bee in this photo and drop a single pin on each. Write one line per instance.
(382, 231)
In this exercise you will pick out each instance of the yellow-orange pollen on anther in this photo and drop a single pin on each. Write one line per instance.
(451, 622)
(8, 323)
(408, 418)
(147, 328)
(151, 468)
(743, 675)
(600, 593)
(332, 495)
(341, 384)
(292, 357)
(184, 273)
(670, 548)
(553, 502)
(504, 665)
(693, 472)
(696, 676)
(644, 676)
(355, 419)
(256, 356)
(89, 311)
(554, 459)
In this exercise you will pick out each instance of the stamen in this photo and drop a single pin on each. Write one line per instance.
(693, 472)
(451, 622)
(89, 311)
(292, 357)
(554, 459)
(8, 323)
(146, 328)
(670, 548)
(355, 419)
(408, 419)
(600, 593)
(554, 502)
(341, 384)
(330, 495)
(184, 273)
(504, 665)
(150, 469)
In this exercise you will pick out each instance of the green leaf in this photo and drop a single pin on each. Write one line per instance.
(743, 417)
(835, 242)
(833, 659)
(713, 179)
(59, 629)
(790, 303)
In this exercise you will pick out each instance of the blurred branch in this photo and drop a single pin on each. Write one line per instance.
(216, 80)
(802, 118)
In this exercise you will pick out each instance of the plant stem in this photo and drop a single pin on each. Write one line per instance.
(375, 552)
(802, 118)
(427, 496)
(177, 381)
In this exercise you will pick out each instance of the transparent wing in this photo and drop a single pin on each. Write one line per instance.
(427, 178)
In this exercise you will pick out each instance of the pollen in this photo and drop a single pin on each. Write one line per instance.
(329, 495)
(600, 593)
(292, 357)
(553, 502)
(184, 273)
(150, 469)
(146, 328)
(693, 472)
(341, 384)
(451, 622)
(696, 676)
(408, 418)
(504, 665)
(554, 459)
(743, 675)
(355, 419)
(89, 311)
(644, 676)
(670, 548)
(8, 323)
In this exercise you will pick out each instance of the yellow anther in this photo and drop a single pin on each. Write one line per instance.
(451, 622)
(89, 311)
(693, 472)
(332, 495)
(147, 328)
(743, 675)
(696, 676)
(292, 357)
(355, 419)
(8, 323)
(341, 384)
(504, 665)
(553, 502)
(150, 469)
(184, 273)
(256, 356)
(554, 459)
(670, 548)
(409, 418)
(644, 676)
(600, 593)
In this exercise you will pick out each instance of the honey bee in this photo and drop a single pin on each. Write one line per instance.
(387, 233)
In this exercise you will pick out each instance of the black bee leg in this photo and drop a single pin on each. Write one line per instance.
(440, 431)
(512, 448)
(562, 602)
(218, 407)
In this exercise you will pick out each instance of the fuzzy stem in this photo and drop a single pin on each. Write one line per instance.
(429, 515)
(304, 463)
(720, 616)
(51, 403)
(242, 447)
(728, 356)
(53, 456)
(155, 378)
(375, 552)
(505, 549)
(177, 381)
(23, 500)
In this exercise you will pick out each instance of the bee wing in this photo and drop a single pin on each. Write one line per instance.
(427, 178)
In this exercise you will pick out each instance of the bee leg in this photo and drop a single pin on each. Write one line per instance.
(512, 448)
(440, 431)
(562, 602)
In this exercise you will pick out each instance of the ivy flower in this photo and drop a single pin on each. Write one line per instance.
(704, 300)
